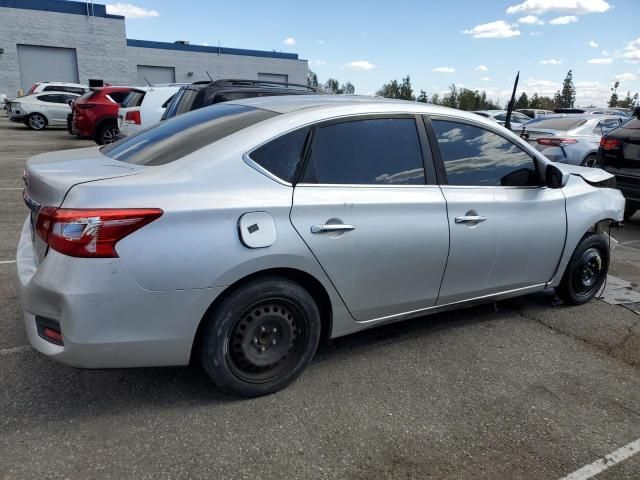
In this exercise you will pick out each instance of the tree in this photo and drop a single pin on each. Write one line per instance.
(312, 79)
(348, 88)
(613, 100)
(435, 99)
(394, 89)
(568, 95)
(333, 86)
(629, 101)
(523, 101)
(558, 101)
(423, 98)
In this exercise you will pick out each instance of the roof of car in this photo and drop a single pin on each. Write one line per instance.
(292, 103)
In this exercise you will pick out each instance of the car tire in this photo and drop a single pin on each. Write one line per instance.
(107, 133)
(629, 212)
(36, 121)
(260, 337)
(587, 270)
(590, 161)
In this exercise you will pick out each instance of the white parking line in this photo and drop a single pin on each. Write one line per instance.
(9, 351)
(608, 461)
(6, 262)
(11, 188)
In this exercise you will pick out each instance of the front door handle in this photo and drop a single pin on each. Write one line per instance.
(337, 227)
(470, 219)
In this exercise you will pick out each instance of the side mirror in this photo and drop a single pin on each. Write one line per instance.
(555, 177)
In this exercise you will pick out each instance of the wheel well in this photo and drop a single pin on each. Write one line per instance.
(103, 122)
(310, 283)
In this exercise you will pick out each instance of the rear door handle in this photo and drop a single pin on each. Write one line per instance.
(338, 227)
(470, 219)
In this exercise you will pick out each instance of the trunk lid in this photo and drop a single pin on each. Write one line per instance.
(48, 178)
(533, 135)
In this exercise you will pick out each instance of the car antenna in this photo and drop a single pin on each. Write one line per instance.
(512, 102)
(147, 80)
(208, 75)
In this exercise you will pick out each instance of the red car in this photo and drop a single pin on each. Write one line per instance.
(95, 114)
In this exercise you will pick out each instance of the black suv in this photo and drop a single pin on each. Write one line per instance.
(619, 154)
(202, 94)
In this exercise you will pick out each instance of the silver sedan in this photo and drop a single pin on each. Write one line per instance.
(569, 138)
(242, 233)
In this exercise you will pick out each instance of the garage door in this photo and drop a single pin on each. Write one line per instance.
(50, 64)
(155, 74)
(273, 77)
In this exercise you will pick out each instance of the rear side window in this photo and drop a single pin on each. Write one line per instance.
(384, 151)
(474, 156)
(182, 102)
(53, 98)
(134, 99)
(52, 88)
(118, 97)
(168, 141)
(282, 156)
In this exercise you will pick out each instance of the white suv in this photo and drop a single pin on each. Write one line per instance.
(41, 109)
(40, 87)
(144, 106)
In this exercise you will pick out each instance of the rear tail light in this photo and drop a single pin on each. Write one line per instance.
(133, 117)
(85, 106)
(556, 142)
(90, 232)
(610, 143)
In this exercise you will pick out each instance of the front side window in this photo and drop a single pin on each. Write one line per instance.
(52, 98)
(383, 151)
(474, 156)
(282, 156)
(168, 141)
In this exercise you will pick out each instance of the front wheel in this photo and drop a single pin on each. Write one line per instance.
(36, 121)
(260, 337)
(107, 134)
(586, 271)
(590, 161)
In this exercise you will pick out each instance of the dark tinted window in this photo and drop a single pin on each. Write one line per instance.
(52, 98)
(182, 102)
(477, 157)
(282, 155)
(376, 151)
(134, 99)
(118, 97)
(557, 123)
(52, 88)
(173, 139)
(605, 125)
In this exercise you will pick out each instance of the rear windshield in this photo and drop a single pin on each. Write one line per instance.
(134, 99)
(168, 141)
(182, 102)
(557, 123)
(633, 122)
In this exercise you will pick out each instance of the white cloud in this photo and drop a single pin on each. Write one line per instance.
(531, 20)
(317, 62)
(535, 34)
(485, 79)
(542, 87)
(444, 70)
(551, 61)
(130, 11)
(605, 53)
(626, 77)
(320, 42)
(563, 20)
(600, 61)
(481, 68)
(593, 44)
(362, 65)
(498, 29)
(289, 41)
(575, 7)
(632, 51)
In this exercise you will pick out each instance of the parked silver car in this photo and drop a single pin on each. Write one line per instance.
(500, 116)
(570, 138)
(242, 233)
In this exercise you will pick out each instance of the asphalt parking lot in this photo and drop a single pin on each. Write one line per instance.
(522, 389)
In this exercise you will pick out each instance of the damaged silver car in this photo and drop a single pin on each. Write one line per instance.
(242, 233)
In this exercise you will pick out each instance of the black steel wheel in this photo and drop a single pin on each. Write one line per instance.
(587, 270)
(260, 337)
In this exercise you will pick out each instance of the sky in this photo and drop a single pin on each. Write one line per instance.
(477, 44)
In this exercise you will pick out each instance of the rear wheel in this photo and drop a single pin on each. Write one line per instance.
(36, 121)
(587, 270)
(261, 337)
(590, 161)
(107, 133)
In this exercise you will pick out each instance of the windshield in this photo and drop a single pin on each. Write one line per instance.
(168, 141)
(557, 123)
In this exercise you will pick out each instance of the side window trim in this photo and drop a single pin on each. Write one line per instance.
(440, 168)
(426, 152)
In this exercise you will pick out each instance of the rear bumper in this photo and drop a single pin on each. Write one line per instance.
(20, 118)
(630, 189)
(106, 318)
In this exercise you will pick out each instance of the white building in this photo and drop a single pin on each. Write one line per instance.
(59, 40)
